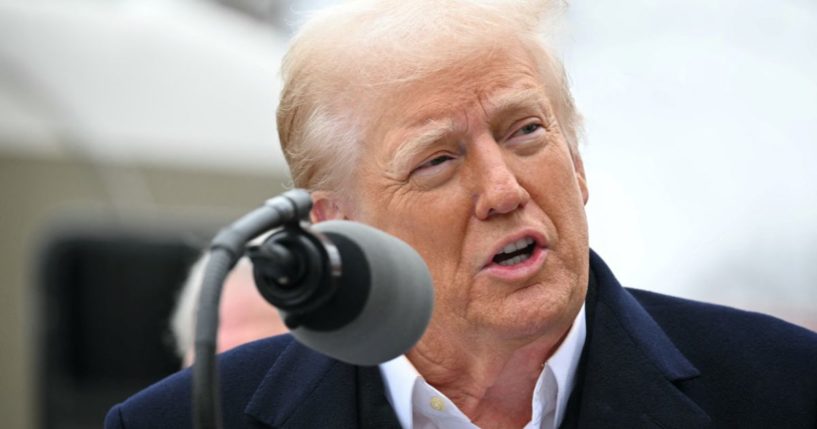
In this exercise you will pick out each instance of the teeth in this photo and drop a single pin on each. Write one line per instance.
(515, 260)
(513, 247)
(516, 245)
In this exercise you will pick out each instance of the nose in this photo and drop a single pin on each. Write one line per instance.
(498, 190)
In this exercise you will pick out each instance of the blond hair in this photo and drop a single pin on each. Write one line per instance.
(345, 57)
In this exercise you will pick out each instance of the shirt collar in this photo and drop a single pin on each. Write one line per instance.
(564, 364)
(399, 377)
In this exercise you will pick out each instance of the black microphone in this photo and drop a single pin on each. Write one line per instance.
(346, 289)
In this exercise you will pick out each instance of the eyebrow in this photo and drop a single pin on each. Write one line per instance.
(515, 100)
(430, 133)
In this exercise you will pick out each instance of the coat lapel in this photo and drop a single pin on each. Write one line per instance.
(633, 375)
(304, 388)
(374, 410)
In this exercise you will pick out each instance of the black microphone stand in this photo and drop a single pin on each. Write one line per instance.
(225, 250)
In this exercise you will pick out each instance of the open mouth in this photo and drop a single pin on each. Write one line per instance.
(517, 252)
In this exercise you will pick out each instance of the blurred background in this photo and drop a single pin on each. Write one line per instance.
(131, 130)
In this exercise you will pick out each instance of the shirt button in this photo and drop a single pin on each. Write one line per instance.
(437, 403)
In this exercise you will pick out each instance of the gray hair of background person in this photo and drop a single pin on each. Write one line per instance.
(183, 319)
(244, 314)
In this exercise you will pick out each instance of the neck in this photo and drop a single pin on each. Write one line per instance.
(491, 382)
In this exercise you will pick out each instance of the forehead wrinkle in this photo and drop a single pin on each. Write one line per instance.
(429, 133)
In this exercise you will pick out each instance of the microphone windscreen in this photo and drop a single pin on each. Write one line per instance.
(399, 302)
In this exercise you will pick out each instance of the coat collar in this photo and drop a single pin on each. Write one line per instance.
(304, 388)
(288, 384)
(633, 375)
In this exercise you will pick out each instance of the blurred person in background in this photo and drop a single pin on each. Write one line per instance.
(244, 314)
(450, 125)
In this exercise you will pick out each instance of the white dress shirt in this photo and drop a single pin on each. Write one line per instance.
(419, 405)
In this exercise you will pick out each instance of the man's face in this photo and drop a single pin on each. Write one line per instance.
(470, 164)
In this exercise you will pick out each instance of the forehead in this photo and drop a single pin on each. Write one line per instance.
(459, 86)
(487, 84)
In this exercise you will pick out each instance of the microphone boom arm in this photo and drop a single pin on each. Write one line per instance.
(225, 250)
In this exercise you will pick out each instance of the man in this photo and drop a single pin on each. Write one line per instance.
(449, 125)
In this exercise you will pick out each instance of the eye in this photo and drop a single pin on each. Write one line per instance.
(528, 129)
(529, 138)
(433, 162)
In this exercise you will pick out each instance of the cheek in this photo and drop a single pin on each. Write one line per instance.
(435, 227)
(553, 182)
(433, 223)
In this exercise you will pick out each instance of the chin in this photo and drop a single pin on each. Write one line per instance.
(523, 332)
(525, 316)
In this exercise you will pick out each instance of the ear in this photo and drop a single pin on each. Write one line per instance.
(325, 206)
(578, 167)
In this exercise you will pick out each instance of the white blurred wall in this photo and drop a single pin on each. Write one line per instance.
(701, 137)
(167, 82)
